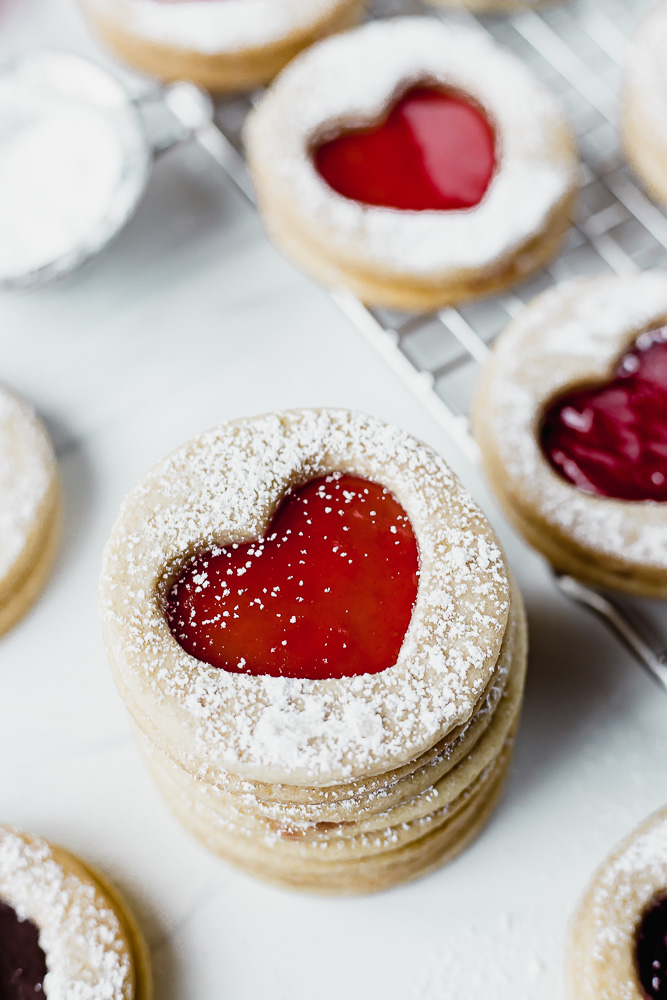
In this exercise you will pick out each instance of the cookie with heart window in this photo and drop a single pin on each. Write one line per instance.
(222, 45)
(30, 511)
(618, 938)
(413, 162)
(643, 126)
(571, 417)
(313, 629)
(64, 930)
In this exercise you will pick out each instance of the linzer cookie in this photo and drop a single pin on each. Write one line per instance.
(413, 162)
(643, 125)
(313, 629)
(571, 418)
(618, 938)
(30, 508)
(64, 931)
(223, 45)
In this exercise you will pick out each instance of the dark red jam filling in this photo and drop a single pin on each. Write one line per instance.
(328, 592)
(22, 961)
(434, 151)
(651, 953)
(612, 439)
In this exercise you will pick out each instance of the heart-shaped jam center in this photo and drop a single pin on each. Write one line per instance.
(651, 951)
(327, 592)
(612, 439)
(434, 151)
(22, 961)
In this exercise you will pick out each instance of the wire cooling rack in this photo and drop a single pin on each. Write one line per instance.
(578, 50)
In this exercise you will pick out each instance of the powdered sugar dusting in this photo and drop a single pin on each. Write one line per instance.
(213, 26)
(27, 467)
(352, 79)
(571, 335)
(223, 487)
(86, 954)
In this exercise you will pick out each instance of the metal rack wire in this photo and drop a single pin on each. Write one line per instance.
(577, 49)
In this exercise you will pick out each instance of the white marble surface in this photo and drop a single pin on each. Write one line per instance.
(189, 319)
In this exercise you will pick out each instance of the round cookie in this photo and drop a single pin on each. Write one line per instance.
(30, 511)
(485, 199)
(643, 125)
(64, 923)
(567, 415)
(222, 45)
(305, 777)
(616, 948)
(223, 488)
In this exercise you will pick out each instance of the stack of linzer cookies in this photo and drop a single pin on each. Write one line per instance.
(305, 759)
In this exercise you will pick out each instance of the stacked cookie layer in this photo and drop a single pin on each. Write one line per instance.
(345, 784)
(366, 835)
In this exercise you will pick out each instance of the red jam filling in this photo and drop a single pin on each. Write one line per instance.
(612, 439)
(327, 592)
(22, 961)
(651, 951)
(433, 152)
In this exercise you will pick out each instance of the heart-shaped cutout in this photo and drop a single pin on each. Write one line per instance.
(651, 950)
(327, 592)
(22, 960)
(611, 439)
(434, 151)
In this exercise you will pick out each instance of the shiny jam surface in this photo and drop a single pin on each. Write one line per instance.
(434, 151)
(611, 439)
(22, 961)
(328, 591)
(651, 951)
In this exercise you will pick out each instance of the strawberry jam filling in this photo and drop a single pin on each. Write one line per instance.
(22, 961)
(612, 439)
(651, 951)
(327, 592)
(434, 151)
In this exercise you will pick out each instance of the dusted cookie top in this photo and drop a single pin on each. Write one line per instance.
(27, 468)
(214, 26)
(88, 955)
(223, 488)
